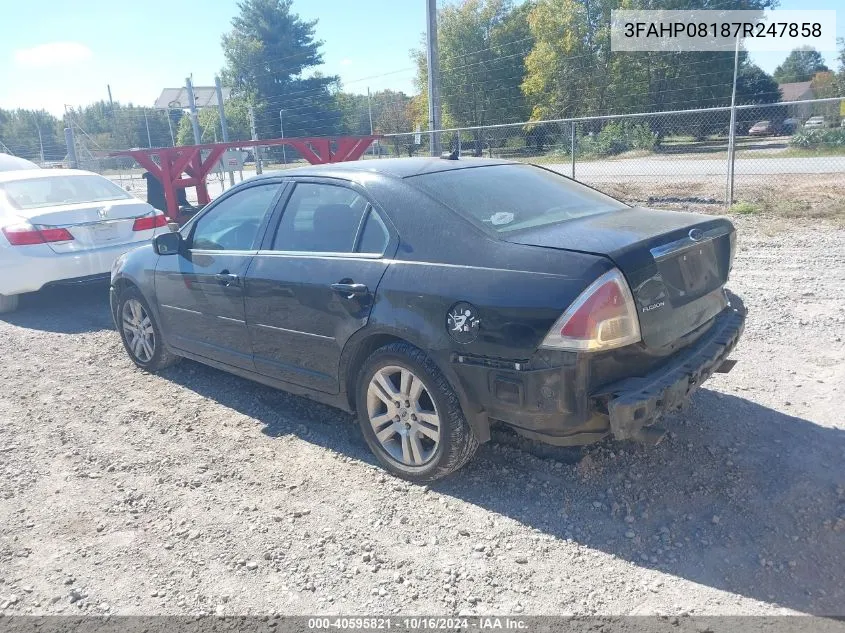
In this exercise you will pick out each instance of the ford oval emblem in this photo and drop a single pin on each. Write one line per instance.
(695, 235)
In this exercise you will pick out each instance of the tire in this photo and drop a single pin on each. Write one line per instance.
(8, 303)
(418, 458)
(152, 356)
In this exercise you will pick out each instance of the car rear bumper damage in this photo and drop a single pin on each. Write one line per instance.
(556, 404)
(634, 404)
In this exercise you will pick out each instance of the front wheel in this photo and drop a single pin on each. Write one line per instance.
(8, 303)
(410, 415)
(140, 333)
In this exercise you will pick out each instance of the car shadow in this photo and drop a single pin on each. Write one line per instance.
(739, 497)
(279, 412)
(64, 309)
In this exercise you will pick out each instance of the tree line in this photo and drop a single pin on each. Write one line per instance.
(500, 62)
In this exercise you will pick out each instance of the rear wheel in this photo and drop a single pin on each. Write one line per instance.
(8, 303)
(140, 333)
(410, 415)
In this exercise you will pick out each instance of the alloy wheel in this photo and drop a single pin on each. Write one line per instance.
(403, 416)
(138, 330)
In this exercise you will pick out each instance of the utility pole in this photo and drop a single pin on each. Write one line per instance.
(71, 147)
(192, 106)
(433, 79)
(113, 115)
(147, 122)
(282, 130)
(170, 127)
(40, 141)
(729, 193)
(255, 150)
(224, 127)
(370, 110)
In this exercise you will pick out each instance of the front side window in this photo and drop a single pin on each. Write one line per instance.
(320, 218)
(48, 191)
(233, 224)
(504, 198)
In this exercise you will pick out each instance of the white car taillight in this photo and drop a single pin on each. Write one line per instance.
(27, 235)
(603, 317)
(150, 222)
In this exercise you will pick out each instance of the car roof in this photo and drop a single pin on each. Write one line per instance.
(391, 167)
(9, 163)
(28, 174)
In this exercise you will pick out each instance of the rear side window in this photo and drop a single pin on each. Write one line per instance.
(374, 238)
(504, 198)
(48, 191)
(320, 218)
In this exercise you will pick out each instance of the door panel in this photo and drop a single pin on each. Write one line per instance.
(316, 284)
(202, 313)
(297, 322)
(200, 291)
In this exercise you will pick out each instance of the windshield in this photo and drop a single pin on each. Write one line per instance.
(61, 189)
(505, 198)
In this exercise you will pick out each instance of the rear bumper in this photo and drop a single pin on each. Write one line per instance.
(634, 403)
(30, 268)
(557, 405)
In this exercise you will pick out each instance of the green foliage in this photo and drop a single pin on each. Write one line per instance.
(618, 137)
(237, 121)
(19, 133)
(101, 126)
(840, 75)
(482, 44)
(268, 53)
(819, 138)
(754, 85)
(745, 208)
(390, 112)
(800, 65)
(571, 70)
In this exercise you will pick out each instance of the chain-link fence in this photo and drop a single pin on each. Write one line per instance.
(783, 153)
(785, 157)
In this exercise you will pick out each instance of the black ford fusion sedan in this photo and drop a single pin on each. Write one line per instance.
(434, 296)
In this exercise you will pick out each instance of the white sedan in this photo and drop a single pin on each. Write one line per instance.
(65, 226)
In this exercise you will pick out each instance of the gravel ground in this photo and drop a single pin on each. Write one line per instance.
(195, 491)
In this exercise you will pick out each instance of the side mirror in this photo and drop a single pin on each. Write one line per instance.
(167, 243)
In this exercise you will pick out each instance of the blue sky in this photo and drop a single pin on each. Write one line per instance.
(67, 53)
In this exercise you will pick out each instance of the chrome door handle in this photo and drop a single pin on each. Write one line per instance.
(228, 279)
(350, 289)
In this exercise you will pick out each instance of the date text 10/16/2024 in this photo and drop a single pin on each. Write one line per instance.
(491, 623)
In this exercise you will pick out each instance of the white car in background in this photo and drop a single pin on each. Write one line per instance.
(815, 123)
(65, 226)
(9, 162)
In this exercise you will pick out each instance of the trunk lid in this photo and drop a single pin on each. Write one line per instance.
(93, 225)
(675, 263)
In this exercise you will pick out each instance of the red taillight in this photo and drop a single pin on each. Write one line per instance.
(27, 235)
(150, 222)
(602, 317)
(603, 304)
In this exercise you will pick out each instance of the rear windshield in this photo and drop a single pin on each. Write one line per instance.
(56, 190)
(504, 198)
